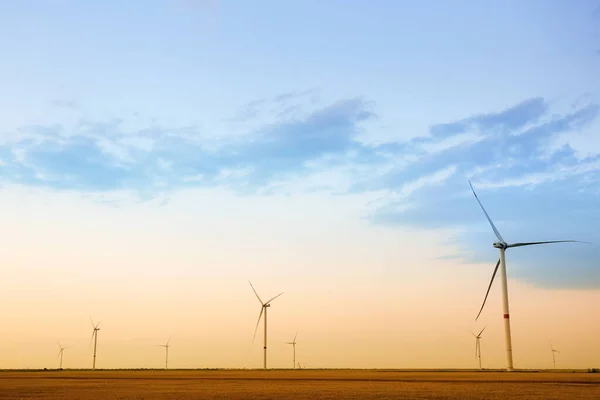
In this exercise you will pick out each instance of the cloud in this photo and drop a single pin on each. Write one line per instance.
(519, 158)
(508, 152)
(100, 156)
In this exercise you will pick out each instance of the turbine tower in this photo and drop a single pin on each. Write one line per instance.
(503, 246)
(553, 357)
(60, 354)
(166, 346)
(263, 308)
(293, 343)
(478, 345)
(95, 337)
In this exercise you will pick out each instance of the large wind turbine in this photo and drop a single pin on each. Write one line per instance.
(166, 346)
(60, 353)
(95, 337)
(478, 345)
(553, 358)
(263, 308)
(503, 246)
(293, 343)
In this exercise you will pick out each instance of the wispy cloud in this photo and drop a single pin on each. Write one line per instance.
(418, 182)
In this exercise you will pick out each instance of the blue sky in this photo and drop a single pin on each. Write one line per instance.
(405, 100)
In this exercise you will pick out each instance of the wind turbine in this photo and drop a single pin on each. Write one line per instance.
(478, 345)
(553, 358)
(293, 343)
(95, 337)
(166, 346)
(503, 246)
(263, 308)
(60, 353)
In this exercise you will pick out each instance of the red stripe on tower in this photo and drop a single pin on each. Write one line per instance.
(506, 316)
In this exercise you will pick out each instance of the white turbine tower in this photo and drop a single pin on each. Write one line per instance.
(263, 308)
(293, 343)
(503, 246)
(166, 346)
(478, 345)
(95, 337)
(553, 357)
(60, 354)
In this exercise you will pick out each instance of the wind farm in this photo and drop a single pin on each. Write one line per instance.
(410, 191)
(478, 346)
(338, 379)
(166, 346)
(503, 246)
(94, 338)
(293, 344)
(264, 306)
(60, 355)
(554, 351)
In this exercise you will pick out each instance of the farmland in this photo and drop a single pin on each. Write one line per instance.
(299, 384)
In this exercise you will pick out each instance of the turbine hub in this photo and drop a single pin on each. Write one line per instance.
(500, 245)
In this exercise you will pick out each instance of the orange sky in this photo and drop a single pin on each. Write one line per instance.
(360, 295)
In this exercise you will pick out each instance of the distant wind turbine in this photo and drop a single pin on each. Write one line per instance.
(293, 343)
(95, 337)
(60, 354)
(263, 308)
(503, 246)
(478, 345)
(166, 346)
(553, 357)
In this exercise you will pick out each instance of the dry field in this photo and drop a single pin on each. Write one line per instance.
(300, 384)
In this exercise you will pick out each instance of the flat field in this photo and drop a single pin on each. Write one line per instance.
(299, 384)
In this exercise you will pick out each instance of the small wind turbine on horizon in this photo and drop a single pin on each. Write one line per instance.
(503, 246)
(60, 354)
(166, 346)
(478, 345)
(95, 337)
(263, 308)
(553, 357)
(293, 343)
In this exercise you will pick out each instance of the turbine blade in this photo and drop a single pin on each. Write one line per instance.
(92, 321)
(254, 290)
(169, 341)
(487, 216)
(274, 298)
(481, 331)
(488, 289)
(258, 322)
(474, 335)
(295, 336)
(547, 242)
(476, 347)
(91, 338)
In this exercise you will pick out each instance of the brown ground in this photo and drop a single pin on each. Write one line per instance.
(300, 384)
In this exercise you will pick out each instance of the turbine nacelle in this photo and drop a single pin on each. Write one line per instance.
(500, 245)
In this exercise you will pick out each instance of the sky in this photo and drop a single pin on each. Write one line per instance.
(155, 156)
